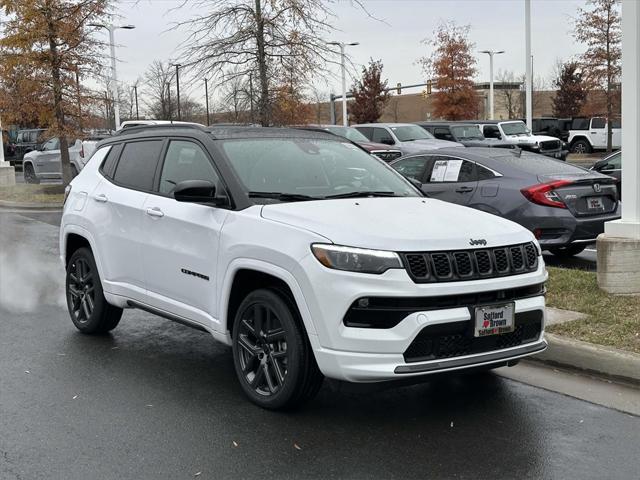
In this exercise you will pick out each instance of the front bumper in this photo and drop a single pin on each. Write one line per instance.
(378, 354)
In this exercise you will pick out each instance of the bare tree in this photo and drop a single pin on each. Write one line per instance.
(599, 29)
(234, 39)
(157, 89)
(511, 97)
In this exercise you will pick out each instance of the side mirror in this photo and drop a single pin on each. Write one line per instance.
(197, 191)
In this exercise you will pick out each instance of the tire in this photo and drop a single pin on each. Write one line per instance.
(271, 353)
(30, 174)
(568, 251)
(581, 146)
(89, 310)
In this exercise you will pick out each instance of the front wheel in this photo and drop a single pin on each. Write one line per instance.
(581, 146)
(272, 356)
(89, 310)
(30, 174)
(568, 251)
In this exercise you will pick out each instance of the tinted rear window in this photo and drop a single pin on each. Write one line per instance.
(137, 164)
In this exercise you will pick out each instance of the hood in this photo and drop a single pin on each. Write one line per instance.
(398, 224)
(427, 144)
(371, 146)
(31, 154)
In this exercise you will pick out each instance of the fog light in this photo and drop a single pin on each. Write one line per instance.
(363, 303)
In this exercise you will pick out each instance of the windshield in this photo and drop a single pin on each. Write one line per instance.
(467, 132)
(289, 169)
(408, 133)
(349, 133)
(515, 128)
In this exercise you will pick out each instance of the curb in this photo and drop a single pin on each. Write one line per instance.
(589, 357)
(30, 206)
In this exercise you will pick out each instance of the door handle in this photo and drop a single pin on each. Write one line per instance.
(155, 212)
(464, 189)
(102, 198)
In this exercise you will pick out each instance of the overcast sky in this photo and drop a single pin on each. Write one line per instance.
(495, 24)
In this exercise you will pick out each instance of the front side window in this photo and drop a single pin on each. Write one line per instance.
(408, 133)
(52, 144)
(442, 133)
(310, 168)
(137, 164)
(185, 161)
(614, 162)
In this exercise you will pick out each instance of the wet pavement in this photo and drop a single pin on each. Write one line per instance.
(155, 400)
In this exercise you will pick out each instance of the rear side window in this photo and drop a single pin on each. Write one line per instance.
(598, 123)
(380, 135)
(109, 164)
(446, 169)
(137, 164)
(411, 167)
(366, 131)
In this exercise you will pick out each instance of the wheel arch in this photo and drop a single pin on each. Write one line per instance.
(580, 137)
(75, 237)
(244, 276)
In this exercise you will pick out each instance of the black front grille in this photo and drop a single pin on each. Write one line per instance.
(456, 339)
(387, 312)
(550, 145)
(459, 265)
(388, 156)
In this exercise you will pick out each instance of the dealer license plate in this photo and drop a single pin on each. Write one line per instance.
(595, 203)
(494, 320)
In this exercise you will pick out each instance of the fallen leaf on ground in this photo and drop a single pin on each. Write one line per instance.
(75, 396)
(451, 424)
(235, 444)
(296, 446)
(198, 474)
(27, 371)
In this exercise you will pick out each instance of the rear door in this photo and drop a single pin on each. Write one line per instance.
(118, 201)
(181, 251)
(598, 132)
(450, 179)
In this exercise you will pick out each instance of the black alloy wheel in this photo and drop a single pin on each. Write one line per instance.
(89, 310)
(568, 251)
(81, 290)
(272, 356)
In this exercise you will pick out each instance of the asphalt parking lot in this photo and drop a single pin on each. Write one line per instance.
(159, 400)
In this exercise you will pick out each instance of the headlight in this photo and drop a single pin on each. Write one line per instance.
(353, 259)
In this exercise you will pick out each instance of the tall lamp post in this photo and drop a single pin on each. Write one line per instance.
(114, 78)
(177, 65)
(206, 99)
(342, 45)
(528, 71)
(491, 53)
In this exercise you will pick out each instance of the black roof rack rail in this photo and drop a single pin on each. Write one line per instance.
(160, 126)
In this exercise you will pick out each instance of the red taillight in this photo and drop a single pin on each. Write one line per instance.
(545, 194)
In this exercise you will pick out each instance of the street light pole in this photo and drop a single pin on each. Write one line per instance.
(491, 53)
(135, 91)
(342, 46)
(177, 65)
(114, 77)
(169, 112)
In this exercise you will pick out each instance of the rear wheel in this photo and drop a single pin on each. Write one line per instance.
(87, 306)
(272, 356)
(30, 174)
(568, 251)
(581, 146)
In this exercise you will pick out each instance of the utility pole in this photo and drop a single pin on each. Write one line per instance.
(251, 95)
(206, 99)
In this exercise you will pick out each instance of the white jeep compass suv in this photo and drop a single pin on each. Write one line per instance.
(304, 253)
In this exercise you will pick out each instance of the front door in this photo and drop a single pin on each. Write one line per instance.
(180, 256)
(48, 160)
(450, 179)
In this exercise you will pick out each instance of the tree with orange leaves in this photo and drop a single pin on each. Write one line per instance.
(451, 67)
(44, 46)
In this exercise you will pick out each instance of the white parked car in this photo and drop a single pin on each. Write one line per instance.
(305, 254)
(589, 134)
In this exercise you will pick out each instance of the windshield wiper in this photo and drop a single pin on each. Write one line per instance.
(363, 193)
(286, 197)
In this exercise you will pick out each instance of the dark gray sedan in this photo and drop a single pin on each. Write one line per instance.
(563, 205)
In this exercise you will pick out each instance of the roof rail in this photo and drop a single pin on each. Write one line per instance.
(159, 126)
